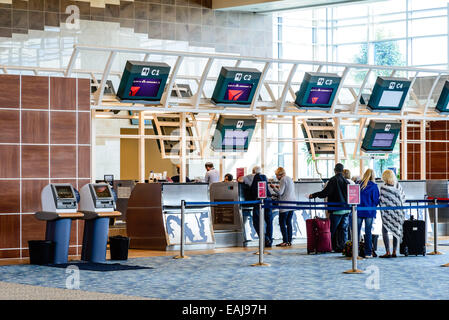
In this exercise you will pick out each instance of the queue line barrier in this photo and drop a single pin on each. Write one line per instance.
(274, 204)
(185, 204)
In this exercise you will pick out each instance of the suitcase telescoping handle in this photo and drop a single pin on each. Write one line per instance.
(310, 206)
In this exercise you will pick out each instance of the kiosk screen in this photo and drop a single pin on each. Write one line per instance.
(383, 139)
(320, 95)
(145, 87)
(102, 191)
(238, 91)
(64, 192)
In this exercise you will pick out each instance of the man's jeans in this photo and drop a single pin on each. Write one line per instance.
(339, 230)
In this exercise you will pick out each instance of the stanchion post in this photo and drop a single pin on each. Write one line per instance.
(435, 230)
(261, 236)
(355, 242)
(183, 209)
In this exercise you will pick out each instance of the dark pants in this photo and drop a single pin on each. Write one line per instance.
(285, 222)
(339, 230)
(368, 235)
(268, 221)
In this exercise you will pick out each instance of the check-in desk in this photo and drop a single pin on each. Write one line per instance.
(228, 220)
(440, 189)
(154, 216)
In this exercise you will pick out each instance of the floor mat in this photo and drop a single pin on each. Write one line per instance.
(102, 267)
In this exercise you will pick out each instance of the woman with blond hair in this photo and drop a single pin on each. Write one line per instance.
(286, 192)
(391, 195)
(369, 197)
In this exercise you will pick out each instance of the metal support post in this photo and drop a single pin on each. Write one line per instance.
(261, 237)
(435, 230)
(355, 242)
(183, 209)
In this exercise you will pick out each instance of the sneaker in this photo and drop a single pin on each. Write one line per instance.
(374, 255)
(368, 257)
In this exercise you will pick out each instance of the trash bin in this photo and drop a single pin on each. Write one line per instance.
(118, 246)
(41, 251)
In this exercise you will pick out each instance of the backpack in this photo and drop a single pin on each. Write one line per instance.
(347, 250)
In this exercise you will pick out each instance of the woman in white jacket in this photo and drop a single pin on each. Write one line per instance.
(286, 192)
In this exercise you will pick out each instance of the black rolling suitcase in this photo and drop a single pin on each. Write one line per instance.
(413, 237)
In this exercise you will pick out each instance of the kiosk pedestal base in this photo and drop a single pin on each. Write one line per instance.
(95, 240)
(58, 231)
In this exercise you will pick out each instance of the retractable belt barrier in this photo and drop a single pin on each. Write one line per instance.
(302, 205)
(193, 204)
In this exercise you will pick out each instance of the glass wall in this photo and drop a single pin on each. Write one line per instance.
(395, 32)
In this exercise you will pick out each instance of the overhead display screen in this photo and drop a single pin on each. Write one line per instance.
(143, 82)
(142, 87)
(236, 138)
(102, 191)
(443, 100)
(381, 136)
(319, 95)
(383, 139)
(238, 91)
(233, 133)
(64, 192)
(317, 91)
(236, 86)
(388, 94)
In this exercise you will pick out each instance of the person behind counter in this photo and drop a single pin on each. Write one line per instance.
(212, 174)
(391, 195)
(286, 192)
(228, 177)
(336, 191)
(177, 178)
(251, 181)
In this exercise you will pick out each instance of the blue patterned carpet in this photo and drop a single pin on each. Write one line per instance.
(292, 275)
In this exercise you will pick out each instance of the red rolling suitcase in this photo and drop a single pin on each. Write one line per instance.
(318, 235)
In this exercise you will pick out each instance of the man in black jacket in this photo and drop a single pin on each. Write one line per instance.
(336, 190)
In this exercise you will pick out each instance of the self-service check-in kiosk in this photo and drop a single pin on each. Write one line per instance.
(97, 204)
(59, 207)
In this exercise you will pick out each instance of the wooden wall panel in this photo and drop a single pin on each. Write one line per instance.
(10, 97)
(38, 147)
(10, 126)
(9, 161)
(34, 126)
(34, 92)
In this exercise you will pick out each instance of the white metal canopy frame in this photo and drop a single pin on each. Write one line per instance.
(273, 98)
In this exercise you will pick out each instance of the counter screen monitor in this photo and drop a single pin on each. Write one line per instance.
(102, 191)
(443, 100)
(388, 94)
(381, 136)
(143, 82)
(64, 192)
(233, 133)
(236, 86)
(317, 91)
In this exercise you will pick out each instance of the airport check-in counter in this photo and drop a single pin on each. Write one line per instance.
(154, 216)
(440, 189)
